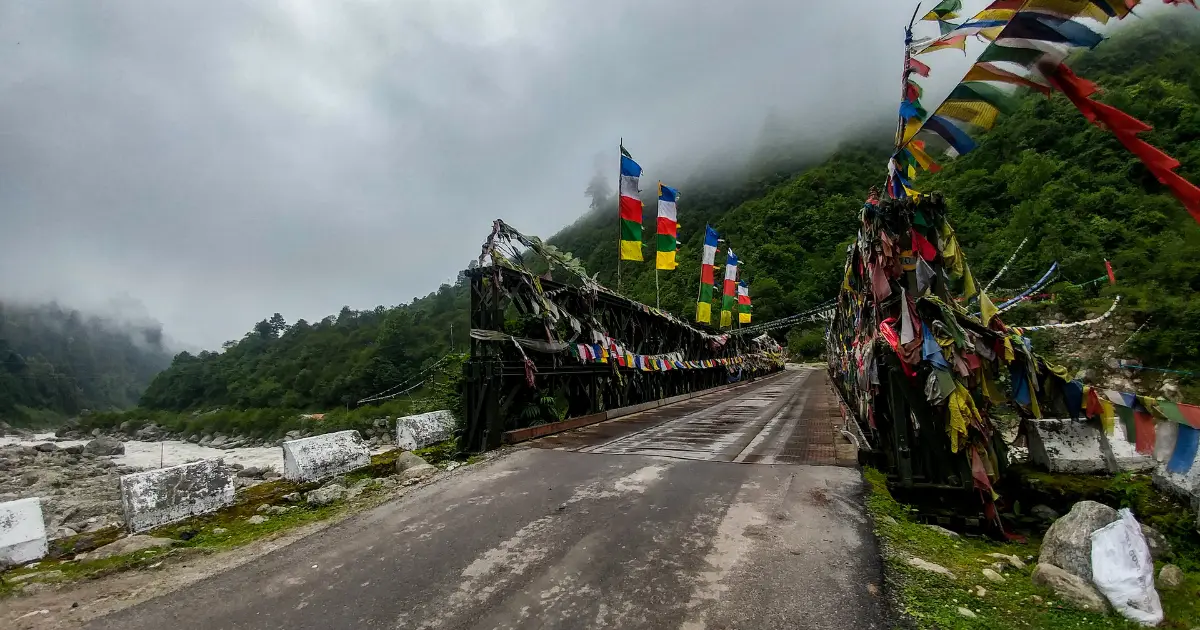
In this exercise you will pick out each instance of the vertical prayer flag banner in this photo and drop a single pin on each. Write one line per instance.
(707, 261)
(730, 297)
(668, 227)
(630, 208)
(743, 303)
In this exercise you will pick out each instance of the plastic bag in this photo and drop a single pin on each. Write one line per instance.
(1123, 571)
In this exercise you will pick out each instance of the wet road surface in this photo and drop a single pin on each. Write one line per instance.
(670, 521)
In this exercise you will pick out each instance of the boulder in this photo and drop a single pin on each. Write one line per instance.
(1160, 547)
(992, 576)
(105, 445)
(46, 447)
(257, 519)
(943, 531)
(129, 544)
(1170, 578)
(326, 495)
(925, 565)
(1068, 542)
(77, 449)
(253, 472)
(62, 532)
(417, 472)
(407, 460)
(1071, 588)
(218, 441)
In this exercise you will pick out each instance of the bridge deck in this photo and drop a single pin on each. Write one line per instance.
(788, 419)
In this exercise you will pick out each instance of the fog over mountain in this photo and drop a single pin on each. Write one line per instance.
(222, 161)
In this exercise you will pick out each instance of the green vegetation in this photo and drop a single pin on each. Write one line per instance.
(55, 362)
(931, 600)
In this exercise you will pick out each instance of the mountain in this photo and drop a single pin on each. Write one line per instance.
(789, 215)
(56, 361)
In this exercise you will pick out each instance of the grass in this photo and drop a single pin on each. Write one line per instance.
(930, 600)
(199, 535)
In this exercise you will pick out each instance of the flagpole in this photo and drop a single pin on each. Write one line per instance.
(656, 303)
(620, 147)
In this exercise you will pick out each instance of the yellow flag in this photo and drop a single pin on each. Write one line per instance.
(987, 310)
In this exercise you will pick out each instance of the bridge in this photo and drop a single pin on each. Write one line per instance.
(727, 510)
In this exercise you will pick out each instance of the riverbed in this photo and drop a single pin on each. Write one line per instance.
(146, 455)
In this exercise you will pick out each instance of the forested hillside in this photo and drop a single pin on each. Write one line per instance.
(56, 361)
(1043, 172)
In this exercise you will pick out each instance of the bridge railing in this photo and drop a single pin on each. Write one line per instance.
(543, 350)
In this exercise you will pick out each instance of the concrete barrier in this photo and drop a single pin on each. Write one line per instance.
(22, 531)
(1067, 446)
(421, 430)
(321, 456)
(157, 497)
(1122, 453)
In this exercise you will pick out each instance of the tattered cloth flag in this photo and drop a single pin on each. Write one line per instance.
(731, 269)
(668, 227)
(630, 208)
(709, 257)
(743, 303)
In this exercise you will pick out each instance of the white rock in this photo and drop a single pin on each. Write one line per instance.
(1071, 588)
(257, 519)
(966, 612)
(992, 576)
(925, 565)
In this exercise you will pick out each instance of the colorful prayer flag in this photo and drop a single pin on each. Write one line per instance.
(630, 208)
(743, 303)
(707, 261)
(731, 269)
(668, 227)
(945, 10)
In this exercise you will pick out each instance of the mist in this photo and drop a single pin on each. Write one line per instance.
(222, 161)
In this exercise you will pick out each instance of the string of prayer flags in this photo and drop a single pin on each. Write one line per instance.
(1035, 36)
(630, 208)
(743, 303)
(730, 296)
(668, 227)
(707, 263)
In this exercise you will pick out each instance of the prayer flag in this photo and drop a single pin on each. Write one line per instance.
(668, 227)
(731, 269)
(630, 208)
(707, 261)
(945, 10)
(743, 303)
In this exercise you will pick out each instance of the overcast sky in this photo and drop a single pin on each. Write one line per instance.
(218, 161)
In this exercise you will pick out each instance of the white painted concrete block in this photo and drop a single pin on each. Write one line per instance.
(22, 532)
(1125, 457)
(1184, 485)
(421, 430)
(157, 497)
(321, 456)
(1066, 446)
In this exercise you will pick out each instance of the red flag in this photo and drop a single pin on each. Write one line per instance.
(1112, 279)
(1125, 128)
(918, 67)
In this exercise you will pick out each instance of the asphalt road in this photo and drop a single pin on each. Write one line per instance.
(585, 534)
